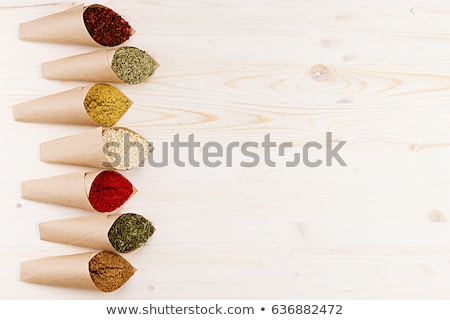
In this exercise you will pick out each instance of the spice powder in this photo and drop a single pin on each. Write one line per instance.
(109, 271)
(106, 104)
(125, 149)
(109, 191)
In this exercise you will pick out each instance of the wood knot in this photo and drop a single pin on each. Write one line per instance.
(321, 73)
(326, 43)
(437, 216)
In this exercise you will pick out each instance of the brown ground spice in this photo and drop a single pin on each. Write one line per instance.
(109, 271)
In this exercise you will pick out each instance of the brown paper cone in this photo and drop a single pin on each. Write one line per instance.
(85, 149)
(62, 27)
(65, 271)
(70, 190)
(65, 107)
(66, 190)
(92, 66)
(89, 232)
(89, 179)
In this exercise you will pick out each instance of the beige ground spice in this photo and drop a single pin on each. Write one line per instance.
(106, 104)
(109, 271)
(125, 149)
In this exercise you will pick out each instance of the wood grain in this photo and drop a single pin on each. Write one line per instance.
(376, 75)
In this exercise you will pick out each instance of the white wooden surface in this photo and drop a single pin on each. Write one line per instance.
(375, 73)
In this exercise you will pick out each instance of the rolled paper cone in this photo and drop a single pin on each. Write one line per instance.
(89, 231)
(70, 271)
(92, 66)
(66, 190)
(65, 107)
(62, 27)
(89, 179)
(85, 149)
(70, 190)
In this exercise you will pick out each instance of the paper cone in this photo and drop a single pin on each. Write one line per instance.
(62, 27)
(92, 66)
(66, 190)
(65, 107)
(70, 190)
(89, 232)
(85, 149)
(64, 271)
(71, 271)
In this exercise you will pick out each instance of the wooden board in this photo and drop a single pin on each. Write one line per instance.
(375, 74)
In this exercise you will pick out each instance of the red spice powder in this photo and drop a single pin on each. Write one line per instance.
(105, 26)
(109, 191)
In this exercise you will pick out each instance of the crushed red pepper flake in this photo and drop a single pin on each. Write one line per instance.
(105, 26)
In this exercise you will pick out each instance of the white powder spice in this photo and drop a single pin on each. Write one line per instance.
(125, 149)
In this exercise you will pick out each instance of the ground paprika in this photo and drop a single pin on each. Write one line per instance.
(109, 191)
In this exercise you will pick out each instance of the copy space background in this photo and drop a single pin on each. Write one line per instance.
(374, 73)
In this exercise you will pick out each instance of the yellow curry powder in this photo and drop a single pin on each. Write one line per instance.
(106, 104)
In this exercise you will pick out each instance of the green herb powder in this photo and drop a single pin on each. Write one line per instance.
(133, 65)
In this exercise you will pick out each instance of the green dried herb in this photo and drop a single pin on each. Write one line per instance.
(133, 65)
(129, 232)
